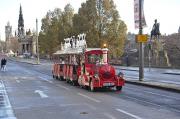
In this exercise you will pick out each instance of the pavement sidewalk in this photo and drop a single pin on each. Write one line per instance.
(155, 84)
(163, 70)
(131, 80)
(166, 85)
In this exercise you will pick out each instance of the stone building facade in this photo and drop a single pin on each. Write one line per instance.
(8, 36)
(11, 42)
(27, 41)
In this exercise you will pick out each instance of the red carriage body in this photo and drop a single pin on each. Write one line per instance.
(87, 67)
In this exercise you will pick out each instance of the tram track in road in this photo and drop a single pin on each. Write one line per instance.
(152, 104)
(93, 99)
(154, 93)
(132, 98)
(44, 78)
(137, 98)
(129, 92)
(152, 99)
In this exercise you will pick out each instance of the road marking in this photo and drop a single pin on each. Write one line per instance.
(18, 81)
(90, 98)
(8, 108)
(43, 78)
(63, 87)
(132, 115)
(109, 116)
(41, 93)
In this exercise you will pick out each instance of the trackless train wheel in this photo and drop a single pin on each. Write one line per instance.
(118, 88)
(92, 88)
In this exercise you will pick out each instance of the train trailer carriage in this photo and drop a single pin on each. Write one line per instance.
(87, 67)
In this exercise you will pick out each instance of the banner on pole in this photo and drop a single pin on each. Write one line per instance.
(136, 14)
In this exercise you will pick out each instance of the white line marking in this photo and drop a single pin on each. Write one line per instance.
(18, 81)
(45, 79)
(90, 98)
(63, 87)
(132, 115)
(41, 93)
(8, 106)
(109, 116)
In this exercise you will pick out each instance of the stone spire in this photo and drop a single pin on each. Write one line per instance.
(8, 31)
(20, 23)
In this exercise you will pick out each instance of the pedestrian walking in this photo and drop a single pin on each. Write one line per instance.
(5, 62)
(2, 64)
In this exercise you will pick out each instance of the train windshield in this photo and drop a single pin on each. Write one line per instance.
(95, 58)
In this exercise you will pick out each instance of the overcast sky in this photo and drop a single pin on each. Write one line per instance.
(165, 11)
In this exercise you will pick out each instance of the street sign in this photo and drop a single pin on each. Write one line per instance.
(141, 38)
(136, 13)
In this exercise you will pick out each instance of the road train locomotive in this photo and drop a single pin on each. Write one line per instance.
(86, 67)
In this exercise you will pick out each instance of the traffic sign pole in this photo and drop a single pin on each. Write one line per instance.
(141, 50)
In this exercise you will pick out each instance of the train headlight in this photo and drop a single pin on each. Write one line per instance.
(104, 45)
(96, 77)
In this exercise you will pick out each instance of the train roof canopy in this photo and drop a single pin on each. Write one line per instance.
(76, 50)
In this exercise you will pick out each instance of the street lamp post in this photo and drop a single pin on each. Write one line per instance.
(37, 44)
(149, 54)
(141, 50)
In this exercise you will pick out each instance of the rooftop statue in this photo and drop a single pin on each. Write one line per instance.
(155, 30)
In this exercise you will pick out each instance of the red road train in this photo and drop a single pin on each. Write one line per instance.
(86, 67)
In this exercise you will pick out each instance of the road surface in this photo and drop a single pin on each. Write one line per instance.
(29, 92)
